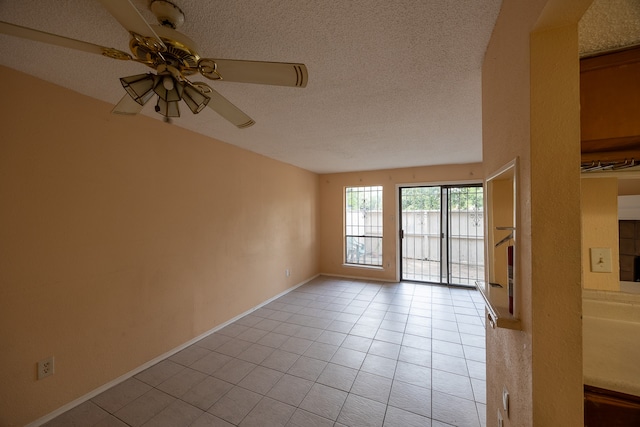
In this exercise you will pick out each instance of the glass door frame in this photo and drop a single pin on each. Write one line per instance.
(445, 236)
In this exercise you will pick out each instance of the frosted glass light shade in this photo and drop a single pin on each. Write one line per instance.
(139, 87)
(194, 98)
(168, 108)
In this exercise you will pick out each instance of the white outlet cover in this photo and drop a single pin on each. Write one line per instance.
(46, 367)
(601, 260)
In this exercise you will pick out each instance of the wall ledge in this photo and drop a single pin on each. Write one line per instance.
(611, 296)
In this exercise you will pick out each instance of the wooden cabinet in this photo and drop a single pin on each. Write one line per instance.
(607, 408)
(610, 106)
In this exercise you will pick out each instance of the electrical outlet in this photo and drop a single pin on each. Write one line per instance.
(45, 367)
(287, 272)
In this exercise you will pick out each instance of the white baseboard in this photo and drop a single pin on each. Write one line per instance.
(370, 279)
(152, 362)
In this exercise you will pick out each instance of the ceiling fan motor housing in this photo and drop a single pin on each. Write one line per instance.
(181, 51)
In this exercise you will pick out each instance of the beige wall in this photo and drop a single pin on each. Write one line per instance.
(531, 111)
(122, 238)
(629, 186)
(599, 201)
(332, 212)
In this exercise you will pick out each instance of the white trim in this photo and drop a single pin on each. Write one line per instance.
(398, 217)
(620, 174)
(369, 279)
(513, 165)
(364, 266)
(439, 183)
(152, 362)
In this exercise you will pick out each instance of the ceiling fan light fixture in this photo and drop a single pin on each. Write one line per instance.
(139, 87)
(167, 108)
(194, 98)
(167, 82)
(143, 100)
(167, 88)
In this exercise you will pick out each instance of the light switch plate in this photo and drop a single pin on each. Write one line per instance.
(601, 260)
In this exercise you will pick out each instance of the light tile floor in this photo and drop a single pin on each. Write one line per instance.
(333, 352)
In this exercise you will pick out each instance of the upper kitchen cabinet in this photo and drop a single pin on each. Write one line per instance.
(610, 106)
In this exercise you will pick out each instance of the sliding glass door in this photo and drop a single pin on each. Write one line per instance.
(442, 234)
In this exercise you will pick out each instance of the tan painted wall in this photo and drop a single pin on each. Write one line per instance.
(531, 111)
(505, 112)
(332, 212)
(122, 238)
(599, 199)
(628, 187)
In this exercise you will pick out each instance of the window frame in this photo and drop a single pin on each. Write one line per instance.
(363, 238)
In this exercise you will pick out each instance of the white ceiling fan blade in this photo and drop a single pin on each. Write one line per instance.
(227, 110)
(127, 106)
(130, 18)
(267, 73)
(41, 36)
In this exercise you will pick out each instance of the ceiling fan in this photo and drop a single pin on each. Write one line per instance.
(175, 59)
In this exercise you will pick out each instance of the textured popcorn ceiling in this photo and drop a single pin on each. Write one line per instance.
(391, 84)
(609, 25)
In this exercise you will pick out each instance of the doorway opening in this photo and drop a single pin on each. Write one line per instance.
(442, 234)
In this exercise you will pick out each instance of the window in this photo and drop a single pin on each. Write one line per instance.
(363, 225)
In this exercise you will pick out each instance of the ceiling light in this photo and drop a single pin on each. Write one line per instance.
(170, 90)
(166, 88)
